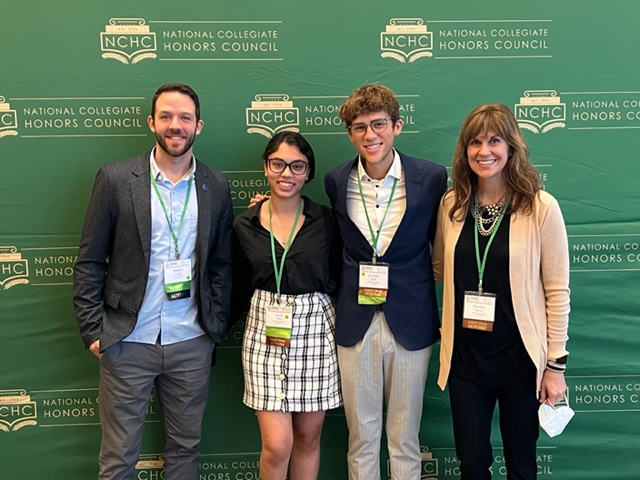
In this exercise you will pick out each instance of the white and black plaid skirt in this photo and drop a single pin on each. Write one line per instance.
(302, 377)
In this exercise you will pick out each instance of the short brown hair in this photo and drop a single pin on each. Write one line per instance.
(370, 98)
(176, 87)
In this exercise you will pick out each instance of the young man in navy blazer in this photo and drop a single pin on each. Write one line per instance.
(386, 206)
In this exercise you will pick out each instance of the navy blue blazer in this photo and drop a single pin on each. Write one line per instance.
(411, 309)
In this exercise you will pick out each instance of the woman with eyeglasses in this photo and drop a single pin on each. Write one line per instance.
(287, 253)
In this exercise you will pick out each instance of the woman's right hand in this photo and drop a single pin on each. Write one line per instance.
(257, 198)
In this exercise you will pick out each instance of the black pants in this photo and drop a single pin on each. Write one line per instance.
(472, 408)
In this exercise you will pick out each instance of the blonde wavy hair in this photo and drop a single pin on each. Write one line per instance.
(520, 177)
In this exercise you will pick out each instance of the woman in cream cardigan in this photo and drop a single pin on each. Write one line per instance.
(501, 252)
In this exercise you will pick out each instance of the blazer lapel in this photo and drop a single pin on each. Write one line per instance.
(413, 188)
(141, 198)
(352, 232)
(203, 193)
(342, 179)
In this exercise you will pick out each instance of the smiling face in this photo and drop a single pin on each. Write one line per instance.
(286, 184)
(375, 148)
(174, 124)
(488, 153)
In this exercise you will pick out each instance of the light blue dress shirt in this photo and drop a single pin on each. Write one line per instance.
(169, 321)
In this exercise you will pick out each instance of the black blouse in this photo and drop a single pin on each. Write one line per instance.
(311, 264)
(488, 358)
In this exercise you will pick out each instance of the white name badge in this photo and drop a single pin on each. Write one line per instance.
(177, 279)
(278, 325)
(479, 311)
(373, 283)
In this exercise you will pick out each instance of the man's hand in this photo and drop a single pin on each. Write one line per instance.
(95, 348)
(256, 199)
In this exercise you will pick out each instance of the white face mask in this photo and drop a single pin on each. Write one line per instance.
(554, 418)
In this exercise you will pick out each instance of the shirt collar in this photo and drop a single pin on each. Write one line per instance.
(159, 177)
(395, 171)
(309, 209)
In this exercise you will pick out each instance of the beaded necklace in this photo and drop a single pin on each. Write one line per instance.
(486, 215)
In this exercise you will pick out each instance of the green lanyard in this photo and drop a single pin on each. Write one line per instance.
(174, 234)
(482, 264)
(278, 271)
(375, 237)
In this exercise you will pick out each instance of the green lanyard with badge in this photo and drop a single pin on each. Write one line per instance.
(479, 306)
(177, 273)
(279, 317)
(373, 283)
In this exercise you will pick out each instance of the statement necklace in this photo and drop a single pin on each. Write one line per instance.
(486, 215)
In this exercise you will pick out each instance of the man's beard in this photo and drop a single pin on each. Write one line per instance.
(173, 151)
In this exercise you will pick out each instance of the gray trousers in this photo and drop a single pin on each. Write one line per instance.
(375, 372)
(180, 373)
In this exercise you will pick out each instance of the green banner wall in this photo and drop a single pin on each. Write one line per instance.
(76, 80)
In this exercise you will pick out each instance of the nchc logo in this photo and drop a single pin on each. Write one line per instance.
(16, 410)
(428, 465)
(406, 40)
(127, 40)
(540, 111)
(8, 119)
(150, 467)
(14, 270)
(272, 113)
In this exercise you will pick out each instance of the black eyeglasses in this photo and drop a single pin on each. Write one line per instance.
(297, 167)
(379, 125)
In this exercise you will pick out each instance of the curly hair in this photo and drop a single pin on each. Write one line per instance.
(521, 179)
(367, 99)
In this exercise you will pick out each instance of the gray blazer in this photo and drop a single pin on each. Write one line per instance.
(111, 270)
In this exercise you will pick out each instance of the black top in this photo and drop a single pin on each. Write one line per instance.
(488, 358)
(311, 264)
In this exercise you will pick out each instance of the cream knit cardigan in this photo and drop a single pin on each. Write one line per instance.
(539, 277)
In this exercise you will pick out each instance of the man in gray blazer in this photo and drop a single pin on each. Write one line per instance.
(152, 288)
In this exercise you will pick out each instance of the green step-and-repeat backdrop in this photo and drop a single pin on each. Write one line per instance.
(76, 83)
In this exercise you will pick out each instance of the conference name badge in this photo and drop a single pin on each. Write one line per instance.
(278, 325)
(373, 283)
(479, 311)
(177, 279)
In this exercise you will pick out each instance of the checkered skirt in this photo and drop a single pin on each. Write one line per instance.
(302, 377)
